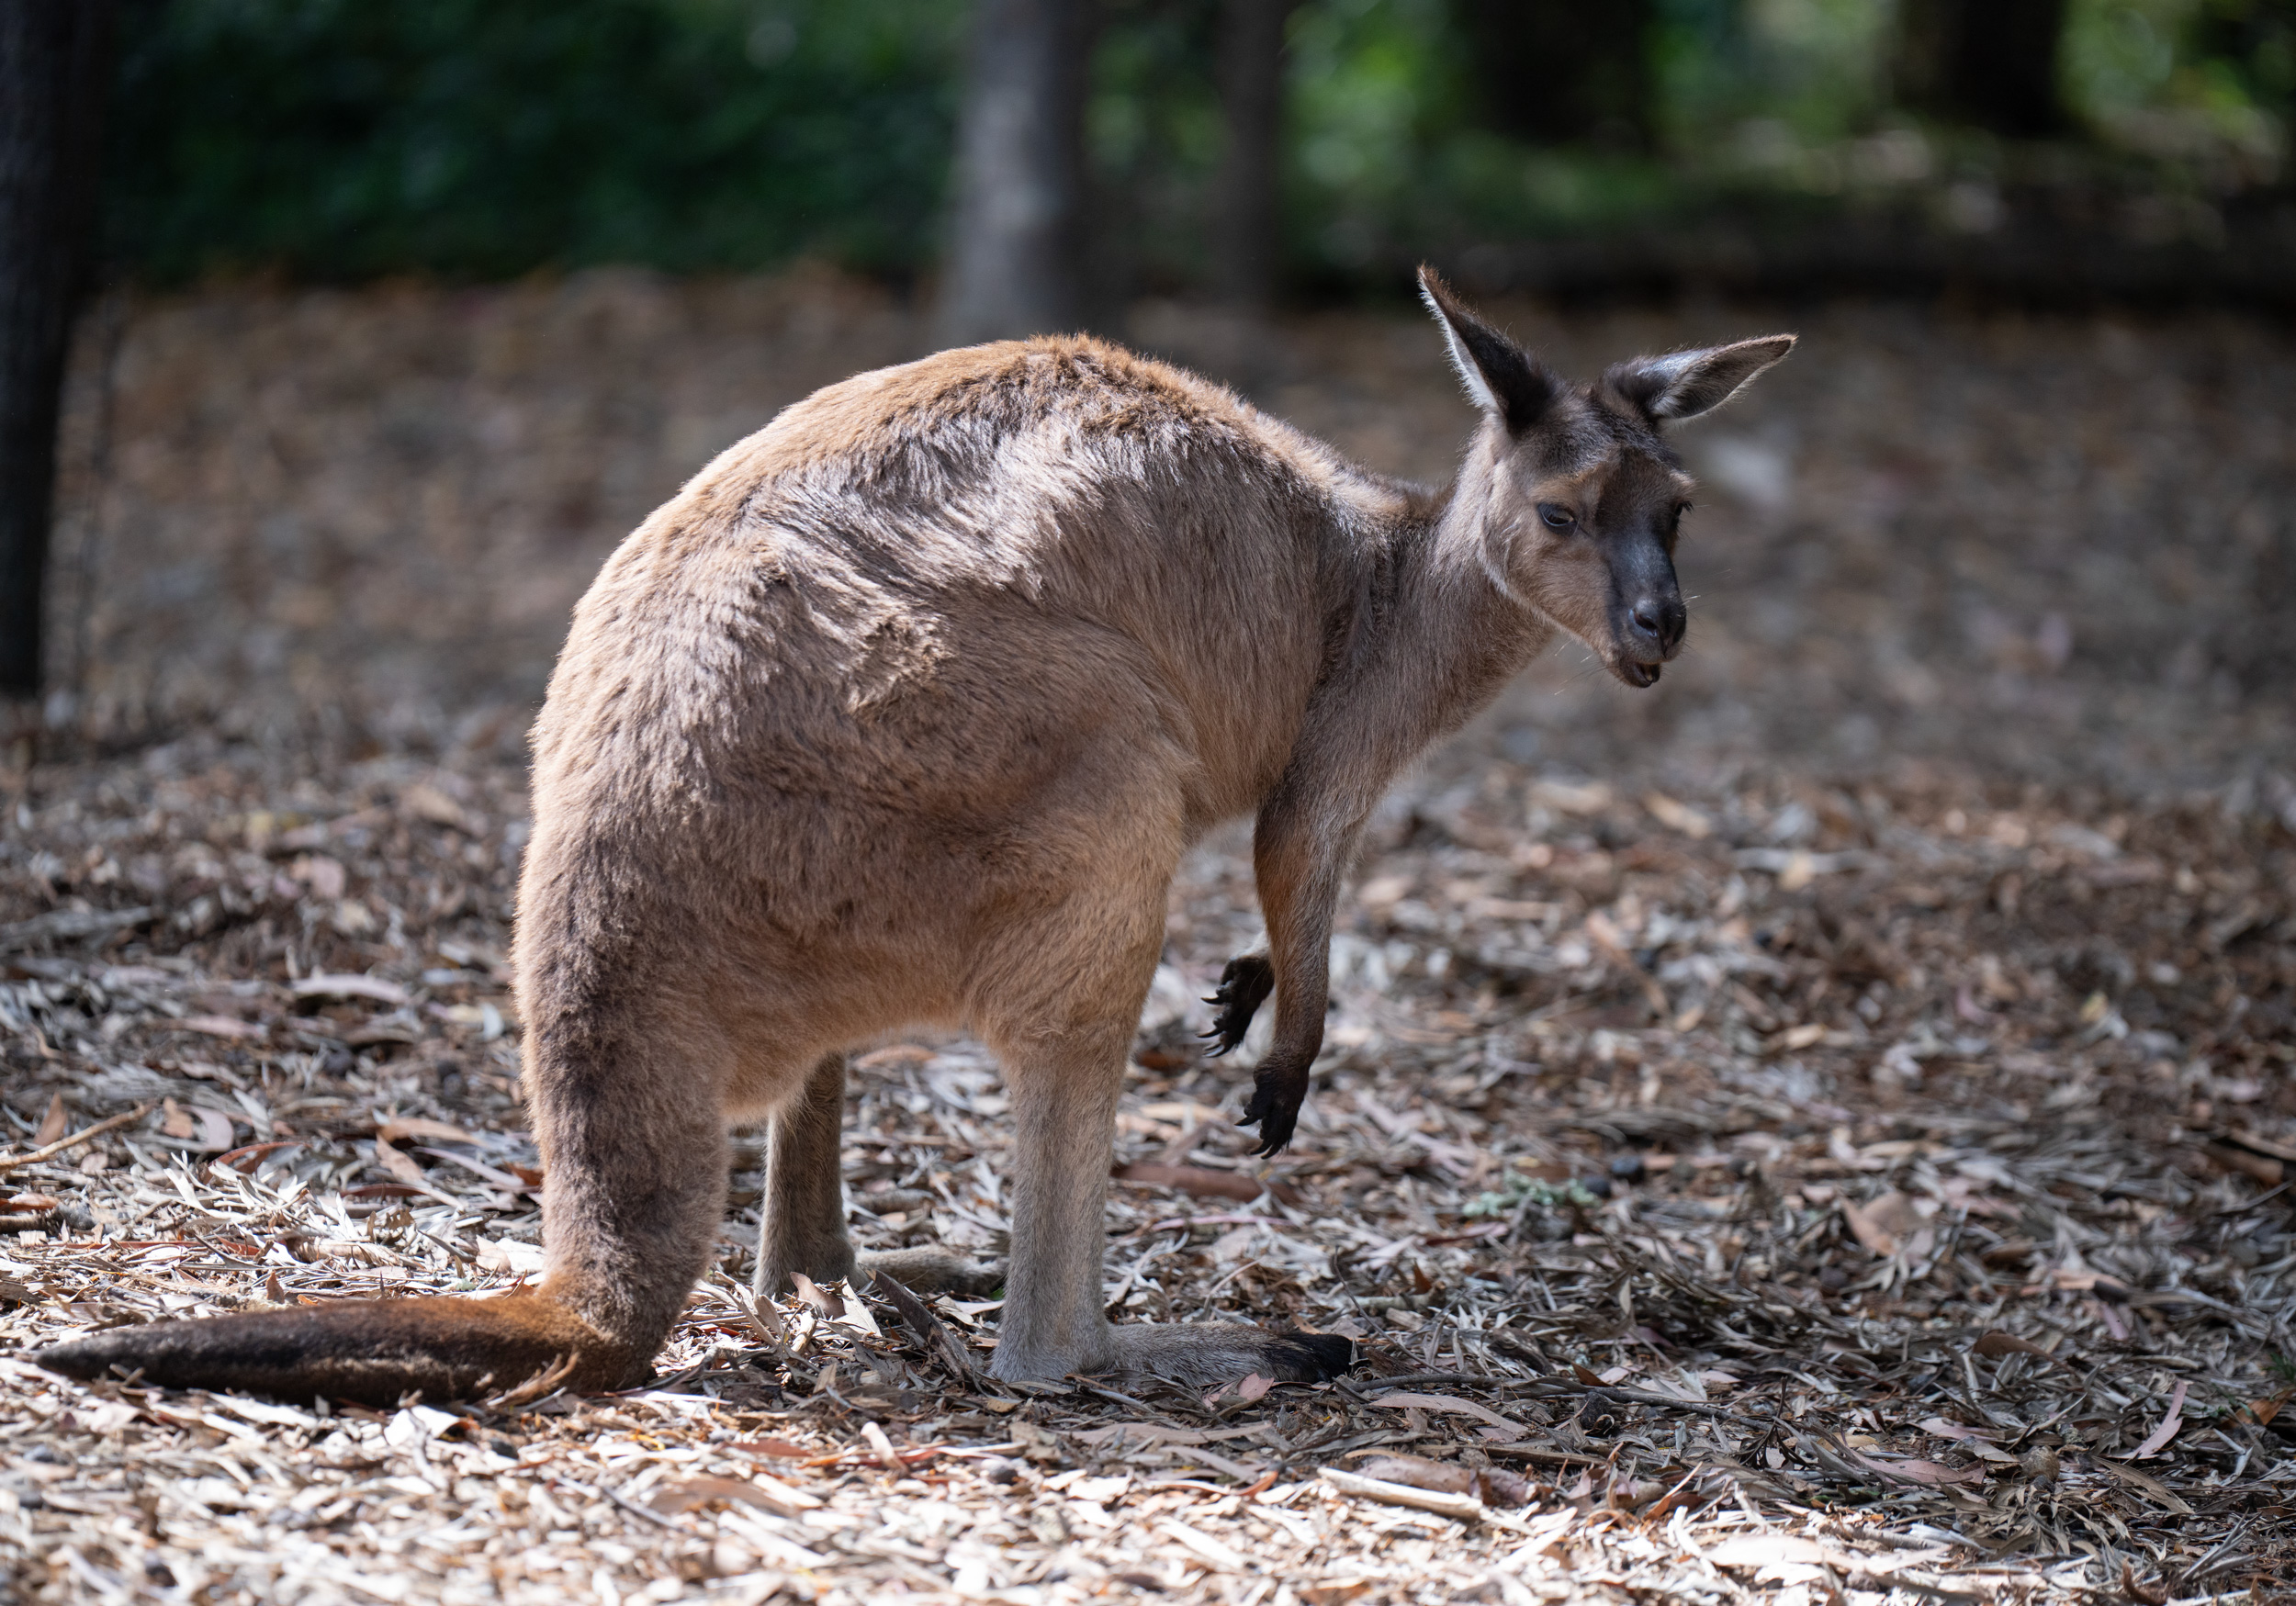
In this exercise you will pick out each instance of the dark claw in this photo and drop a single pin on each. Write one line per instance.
(1278, 1092)
(1243, 987)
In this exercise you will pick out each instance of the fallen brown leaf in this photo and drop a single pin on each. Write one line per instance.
(400, 1127)
(426, 802)
(2157, 1491)
(400, 1164)
(1889, 1224)
(2262, 1411)
(1996, 1344)
(196, 1129)
(2137, 1589)
(765, 1493)
(1444, 1402)
(1913, 1469)
(1204, 1183)
(219, 1026)
(2169, 1422)
(1492, 1485)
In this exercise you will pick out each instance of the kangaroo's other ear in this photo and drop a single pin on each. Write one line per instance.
(1501, 376)
(1686, 383)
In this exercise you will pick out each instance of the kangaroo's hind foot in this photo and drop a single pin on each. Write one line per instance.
(1205, 1354)
(929, 1272)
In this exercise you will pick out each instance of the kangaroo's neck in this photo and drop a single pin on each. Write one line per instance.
(1431, 631)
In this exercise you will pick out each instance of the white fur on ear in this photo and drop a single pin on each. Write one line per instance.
(1665, 374)
(1686, 383)
(1478, 388)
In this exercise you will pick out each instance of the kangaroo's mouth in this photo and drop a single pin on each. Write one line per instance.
(1634, 674)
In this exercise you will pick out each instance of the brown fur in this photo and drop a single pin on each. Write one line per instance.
(902, 712)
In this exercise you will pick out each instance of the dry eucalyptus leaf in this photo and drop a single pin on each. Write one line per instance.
(1997, 1343)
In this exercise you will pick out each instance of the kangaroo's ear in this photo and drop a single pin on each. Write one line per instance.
(1686, 383)
(1500, 377)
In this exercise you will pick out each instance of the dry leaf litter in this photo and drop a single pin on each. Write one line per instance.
(1823, 1180)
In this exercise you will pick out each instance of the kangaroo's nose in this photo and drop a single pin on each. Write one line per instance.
(1659, 622)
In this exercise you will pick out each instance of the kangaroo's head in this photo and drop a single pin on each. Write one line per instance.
(1576, 499)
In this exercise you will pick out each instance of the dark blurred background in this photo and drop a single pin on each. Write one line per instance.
(2126, 146)
(390, 318)
(2130, 144)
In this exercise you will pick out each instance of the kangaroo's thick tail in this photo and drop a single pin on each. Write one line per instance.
(375, 1352)
(626, 1078)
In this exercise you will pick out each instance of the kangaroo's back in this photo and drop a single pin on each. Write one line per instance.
(924, 566)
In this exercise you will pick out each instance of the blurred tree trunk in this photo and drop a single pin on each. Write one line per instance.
(1992, 63)
(1562, 71)
(1245, 252)
(53, 58)
(1015, 264)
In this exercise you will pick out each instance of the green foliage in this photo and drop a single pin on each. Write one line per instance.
(1817, 68)
(1154, 139)
(1388, 158)
(333, 139)
(347, 138)
(2177, 77)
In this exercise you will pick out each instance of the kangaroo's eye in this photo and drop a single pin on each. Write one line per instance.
(1555, 516)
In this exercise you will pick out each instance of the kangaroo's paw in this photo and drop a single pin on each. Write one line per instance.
(929, 1272)
(374, 1352)
(1278, 1088)
(1243, 987)
(1204, 1354)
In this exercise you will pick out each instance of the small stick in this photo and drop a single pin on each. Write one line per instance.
(10, 1163)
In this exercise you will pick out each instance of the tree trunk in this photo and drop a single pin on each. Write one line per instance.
(1015, 257)
(1990, 64)
(53, 58)
(1247, 253)
(1562, 71)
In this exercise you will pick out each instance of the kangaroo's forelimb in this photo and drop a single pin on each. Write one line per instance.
(1298, 863)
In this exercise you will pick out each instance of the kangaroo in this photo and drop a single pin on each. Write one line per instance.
(902, 712)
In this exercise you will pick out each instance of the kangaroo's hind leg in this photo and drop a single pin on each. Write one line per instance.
(1064, 1049)
(804, 1204)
